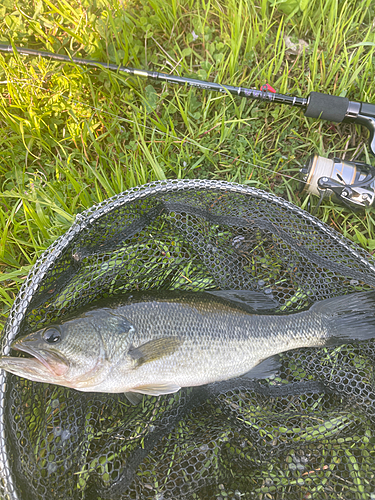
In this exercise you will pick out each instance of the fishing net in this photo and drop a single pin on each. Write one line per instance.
(307, 432)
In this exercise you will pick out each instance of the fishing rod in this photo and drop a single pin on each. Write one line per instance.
(352, 182)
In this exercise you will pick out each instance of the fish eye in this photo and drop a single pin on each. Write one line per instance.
(52, 335)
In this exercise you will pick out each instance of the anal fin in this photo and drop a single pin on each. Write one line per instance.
(269, 367)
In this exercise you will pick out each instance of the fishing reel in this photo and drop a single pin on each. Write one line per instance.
(351, 182)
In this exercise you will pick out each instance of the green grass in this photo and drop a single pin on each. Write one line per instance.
(71, 136)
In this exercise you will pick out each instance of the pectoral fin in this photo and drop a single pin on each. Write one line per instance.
(155, 349)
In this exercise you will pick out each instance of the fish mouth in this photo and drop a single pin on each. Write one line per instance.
(53, 362)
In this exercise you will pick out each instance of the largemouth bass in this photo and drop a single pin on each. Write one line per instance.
(151, 343)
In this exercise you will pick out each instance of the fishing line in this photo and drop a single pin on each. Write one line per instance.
(154, 129)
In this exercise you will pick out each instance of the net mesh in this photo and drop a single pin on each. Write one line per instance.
(306, 433)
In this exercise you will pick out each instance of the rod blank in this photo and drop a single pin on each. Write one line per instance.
(259, 95)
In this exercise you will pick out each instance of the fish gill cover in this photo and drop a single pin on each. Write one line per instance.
(306, 432)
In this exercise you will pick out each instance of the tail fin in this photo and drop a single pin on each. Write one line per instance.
(348, 318)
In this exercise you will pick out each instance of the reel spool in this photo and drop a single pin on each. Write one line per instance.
(351, 182)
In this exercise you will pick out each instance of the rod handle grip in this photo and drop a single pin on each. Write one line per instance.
(326, 107)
